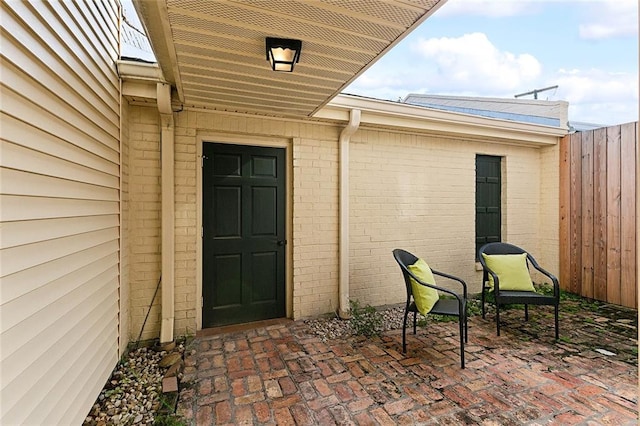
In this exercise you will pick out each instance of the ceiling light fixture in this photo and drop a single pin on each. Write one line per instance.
(283, 53)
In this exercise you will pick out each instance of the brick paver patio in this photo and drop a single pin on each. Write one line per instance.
(282, 374)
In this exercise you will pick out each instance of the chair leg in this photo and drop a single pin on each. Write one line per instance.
(556, 317)
(466, 328)
(526, 312)
(482, 298)
(498, 318)
(404, 332)
(415, 314)
(462, 334)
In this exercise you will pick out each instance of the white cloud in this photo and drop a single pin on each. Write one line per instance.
(599, 96)
(469, 65)
(608, 19)
(472, 63)
(476, 65)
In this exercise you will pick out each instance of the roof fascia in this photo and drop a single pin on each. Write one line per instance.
(140, 80)
(387, 114)
(155, 18)
(142, 71)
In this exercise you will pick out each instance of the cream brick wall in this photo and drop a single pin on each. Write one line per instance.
(144, 220)
(548, 254)
(418, 193)
(315, 227)
(186, 229)
(409, 191)
(313, 201)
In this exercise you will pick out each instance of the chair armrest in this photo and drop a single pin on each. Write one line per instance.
(444, 290)
(554, 280)
(453, 278)
(496, 280)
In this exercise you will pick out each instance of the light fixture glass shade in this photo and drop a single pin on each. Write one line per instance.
(283, 54)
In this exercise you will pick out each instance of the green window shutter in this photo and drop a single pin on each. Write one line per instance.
(488, 202)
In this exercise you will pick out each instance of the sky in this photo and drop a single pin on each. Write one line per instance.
(500, 48)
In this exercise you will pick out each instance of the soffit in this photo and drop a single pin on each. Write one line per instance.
(213, 52)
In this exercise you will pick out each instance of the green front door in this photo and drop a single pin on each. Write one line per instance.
(243, 238)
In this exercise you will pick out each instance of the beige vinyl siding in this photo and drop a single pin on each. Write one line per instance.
(126, 334)
(60, 191)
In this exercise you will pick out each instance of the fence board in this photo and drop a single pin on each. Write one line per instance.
(598, 193)
(586, 266)
(613, 215)
(576, 211)
(600, 214)
(628, 272)
(565, 208)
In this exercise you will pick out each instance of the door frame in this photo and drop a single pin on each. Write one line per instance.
(258, 141)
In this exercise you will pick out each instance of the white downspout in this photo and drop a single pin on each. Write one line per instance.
(167, 135)
(343, 285)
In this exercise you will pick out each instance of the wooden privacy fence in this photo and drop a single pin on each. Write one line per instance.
(598, 214)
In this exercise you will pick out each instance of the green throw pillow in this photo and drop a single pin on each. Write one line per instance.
(511, 270)
(425, 297)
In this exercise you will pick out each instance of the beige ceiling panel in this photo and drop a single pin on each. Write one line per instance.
(203, 83)
(278, 96)
(239, 98)
(213, 51)
(313, 64)
(293, 80)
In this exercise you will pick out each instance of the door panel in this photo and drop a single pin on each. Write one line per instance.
(227, 269)
(227, 202)
(264, 209)
(243, 234)
(264, 266)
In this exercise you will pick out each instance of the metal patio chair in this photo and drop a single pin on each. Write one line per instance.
(455, 306)
(508, 291)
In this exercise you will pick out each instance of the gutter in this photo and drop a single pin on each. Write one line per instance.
(140, 71)
(167, 135)
(144, 80)
(404, 117)
(343, 284)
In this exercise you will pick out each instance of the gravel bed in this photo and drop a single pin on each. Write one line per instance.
(336, 328)
(132, 395)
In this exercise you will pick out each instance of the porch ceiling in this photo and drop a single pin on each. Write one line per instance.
(213, 51)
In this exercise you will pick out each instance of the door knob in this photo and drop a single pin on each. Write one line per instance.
(282, 242)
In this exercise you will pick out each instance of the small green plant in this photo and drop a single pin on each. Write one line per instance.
(168, 420)
(443, 318)
(365, 321)
(474, 307)
(565, 339)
